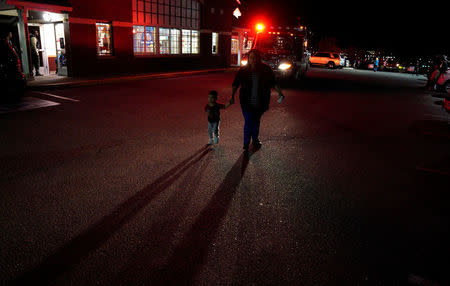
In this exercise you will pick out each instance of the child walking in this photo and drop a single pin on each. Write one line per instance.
(213, 110)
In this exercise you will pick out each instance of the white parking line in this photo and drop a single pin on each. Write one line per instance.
(434, 116)
(436, 171)
(27, 103)
(57, 96)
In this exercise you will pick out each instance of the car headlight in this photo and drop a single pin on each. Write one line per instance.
(244, 62)
(284, 66)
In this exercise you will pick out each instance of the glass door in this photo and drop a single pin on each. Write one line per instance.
(61, 67)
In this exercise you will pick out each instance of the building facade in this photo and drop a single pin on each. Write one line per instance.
(91, 37)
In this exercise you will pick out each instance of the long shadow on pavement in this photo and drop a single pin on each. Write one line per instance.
(190, 254)
(159, 238)
(72, 253)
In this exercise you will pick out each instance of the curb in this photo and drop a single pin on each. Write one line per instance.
(101, 81)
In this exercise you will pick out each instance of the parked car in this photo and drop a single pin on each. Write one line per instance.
(391, 65)
(330, 60)
(407, 67)
(410, 68)
(365, 65)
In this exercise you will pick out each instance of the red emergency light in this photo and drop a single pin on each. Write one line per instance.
(260, 27)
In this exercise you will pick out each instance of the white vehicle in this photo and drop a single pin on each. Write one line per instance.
(342, 63)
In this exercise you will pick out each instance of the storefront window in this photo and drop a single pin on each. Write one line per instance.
(104, 39)
(174, 41)
(176, 14)
(144, 40)
(150, 40)
(186, 41)
(170, 41)
(234, 45)
(190, 42)
(195, 42)
(164, 41)
(138, 40)
(215, 43)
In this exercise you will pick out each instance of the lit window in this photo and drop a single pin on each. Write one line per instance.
(150, 40)
(104, 39)
(152, 19)
(184, 13)
(215, 43)
(186, 41)
(195, 42)
(174, 41)
(164, 36)
(234, 45)
(138, 39)
(190, 42)
(144, 40)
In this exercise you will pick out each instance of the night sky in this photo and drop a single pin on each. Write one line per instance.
(402, 27)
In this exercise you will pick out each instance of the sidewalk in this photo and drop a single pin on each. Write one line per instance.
(54, 81)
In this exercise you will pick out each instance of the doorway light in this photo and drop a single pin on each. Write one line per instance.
(47, 17)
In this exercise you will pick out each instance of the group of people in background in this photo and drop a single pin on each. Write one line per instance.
(438, 68)
(11, 52)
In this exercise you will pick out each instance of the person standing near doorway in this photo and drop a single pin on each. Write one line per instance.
(9, 37)
(35, 51)
(12, 80)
